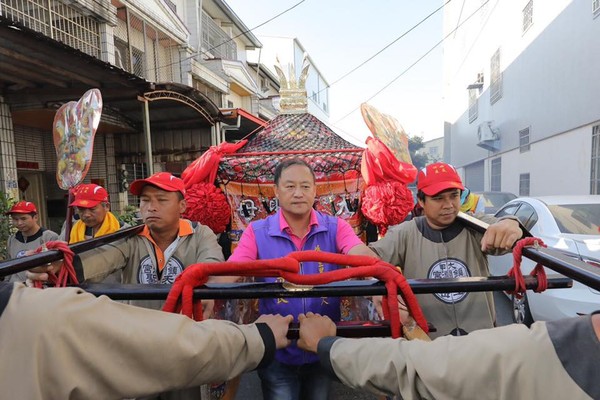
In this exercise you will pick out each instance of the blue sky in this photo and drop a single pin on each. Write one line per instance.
(339, 35)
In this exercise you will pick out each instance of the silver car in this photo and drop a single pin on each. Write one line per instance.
(570, 224)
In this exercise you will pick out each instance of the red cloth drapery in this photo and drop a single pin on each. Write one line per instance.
(205, 202)
(180, 298)
(386, 200)
(204, 168)
(379, 165)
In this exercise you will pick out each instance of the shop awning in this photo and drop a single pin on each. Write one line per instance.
(248, 123)
(39, 74)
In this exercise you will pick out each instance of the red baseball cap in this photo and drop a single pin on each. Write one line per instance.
(162, 180)
(22, 207)
(438, 177)
(89, 195)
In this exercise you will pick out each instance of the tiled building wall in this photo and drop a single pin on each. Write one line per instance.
(8, 161)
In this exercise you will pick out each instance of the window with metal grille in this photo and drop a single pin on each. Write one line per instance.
(596, 7)
(524, 184)
(495, 78)
(215, 41)
(122, 55)
(524, 140)
(595, 167)
(434, 153)
(138, 62)
(496, 175)
(528, 16)
(473, 104)
(474, 93)
(135, 171)
(264, 85)
(142, 49)
(56, 20)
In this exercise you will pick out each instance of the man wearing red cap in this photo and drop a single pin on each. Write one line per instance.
(93, 208)
(30, 235)
(438, 245)
(159, 253)
(95, 219)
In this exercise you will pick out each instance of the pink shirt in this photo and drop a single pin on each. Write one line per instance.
(246, 250)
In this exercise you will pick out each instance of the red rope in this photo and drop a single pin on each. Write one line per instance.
(516, 272)
(66, 275)
(180, 298)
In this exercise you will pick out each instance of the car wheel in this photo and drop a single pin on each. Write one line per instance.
(521, 312)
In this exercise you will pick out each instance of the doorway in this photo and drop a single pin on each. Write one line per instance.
(31, 188)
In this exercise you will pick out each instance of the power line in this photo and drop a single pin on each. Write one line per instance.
(250, 30)
(338, 129)
(385, 47)
(416, 62)
(468, 52)
(460, 14)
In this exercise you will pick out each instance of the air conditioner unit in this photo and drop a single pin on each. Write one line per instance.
(488, 136)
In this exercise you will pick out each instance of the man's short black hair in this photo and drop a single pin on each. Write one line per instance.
(288, 162)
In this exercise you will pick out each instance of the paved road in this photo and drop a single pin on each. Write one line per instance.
(250, 385)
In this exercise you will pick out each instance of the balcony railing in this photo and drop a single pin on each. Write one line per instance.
(215, 41)
(57, 21)
(143, 49)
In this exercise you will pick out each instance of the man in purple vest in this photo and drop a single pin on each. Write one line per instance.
(296, 374)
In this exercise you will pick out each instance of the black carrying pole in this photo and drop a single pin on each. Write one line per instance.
(22, 264)
(259, 290)
(553, 259)
(255, 290)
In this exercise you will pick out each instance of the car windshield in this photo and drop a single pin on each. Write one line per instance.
(583, 219)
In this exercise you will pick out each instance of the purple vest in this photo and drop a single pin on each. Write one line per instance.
(273, 243)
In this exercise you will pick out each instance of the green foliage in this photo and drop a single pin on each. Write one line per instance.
(129, 215)
(419, 160)
(6, 228)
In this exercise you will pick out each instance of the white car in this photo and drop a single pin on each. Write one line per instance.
(494, 200)
(569, 224)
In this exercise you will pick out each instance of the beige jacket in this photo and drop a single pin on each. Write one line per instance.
(554, 360)
(17, 245)
(454, 252)
(67, 344)
(138, 258)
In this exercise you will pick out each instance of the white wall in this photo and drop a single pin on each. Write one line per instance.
(550, 84)
(557, 165)
(290, 51)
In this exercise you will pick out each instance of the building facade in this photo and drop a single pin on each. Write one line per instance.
(434, 149)
(520, 95)
(173, 76)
